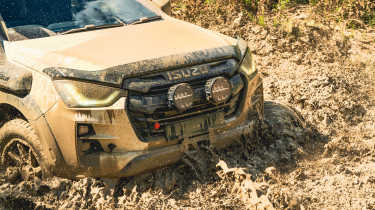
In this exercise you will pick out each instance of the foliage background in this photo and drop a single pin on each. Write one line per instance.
(356, 12)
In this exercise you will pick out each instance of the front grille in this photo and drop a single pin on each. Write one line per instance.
(148, 101)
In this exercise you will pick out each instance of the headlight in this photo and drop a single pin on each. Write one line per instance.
(83, 95)
(248, 63)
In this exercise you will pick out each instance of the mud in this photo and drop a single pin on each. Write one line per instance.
(116, 75)
(322, 158)
(14, 79)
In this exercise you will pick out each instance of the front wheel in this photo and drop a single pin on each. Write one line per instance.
(21, 152)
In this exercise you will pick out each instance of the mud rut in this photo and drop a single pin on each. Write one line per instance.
(294, 162)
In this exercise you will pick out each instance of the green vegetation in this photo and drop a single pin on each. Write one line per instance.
(251, 5)
(283, 4)
(179, 6)
(261, 21)
(209, 1)
(355, 12)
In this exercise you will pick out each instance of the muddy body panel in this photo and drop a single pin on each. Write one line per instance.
(32, 111)
(120, 99)
(114, 149)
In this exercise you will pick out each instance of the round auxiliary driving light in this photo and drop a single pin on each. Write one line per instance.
(218, 90)
(181, 96)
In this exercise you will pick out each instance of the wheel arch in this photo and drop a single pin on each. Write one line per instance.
(12, 107)
(9, 112)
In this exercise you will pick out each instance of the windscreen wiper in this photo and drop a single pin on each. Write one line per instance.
(144, 20)
(92, 27)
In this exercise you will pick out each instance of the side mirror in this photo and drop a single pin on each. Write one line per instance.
(164, 5)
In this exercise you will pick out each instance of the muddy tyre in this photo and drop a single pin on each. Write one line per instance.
(283, 122)
(20, 152)
(282, 115)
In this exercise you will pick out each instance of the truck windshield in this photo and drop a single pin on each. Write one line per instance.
(65, 15)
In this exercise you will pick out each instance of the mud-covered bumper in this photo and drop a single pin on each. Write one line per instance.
(114, 150)
(124, 164)
(115, 165)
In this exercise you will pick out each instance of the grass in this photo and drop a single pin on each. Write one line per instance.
(180, 6)
(283, 4)
(210, 1)
(362, 10)
(261, 21)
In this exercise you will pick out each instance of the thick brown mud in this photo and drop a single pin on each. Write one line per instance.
(316, 150)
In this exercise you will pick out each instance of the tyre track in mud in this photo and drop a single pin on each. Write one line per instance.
(312, 67)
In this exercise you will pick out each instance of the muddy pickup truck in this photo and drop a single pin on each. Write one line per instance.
(114, 88)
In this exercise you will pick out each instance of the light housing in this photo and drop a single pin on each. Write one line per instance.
(181, 96)
(218, 90)
(248, 63)
(76, 94)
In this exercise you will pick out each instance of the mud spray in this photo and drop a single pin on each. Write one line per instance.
(326, 160)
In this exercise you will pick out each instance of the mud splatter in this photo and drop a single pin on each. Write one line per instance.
(314, 68)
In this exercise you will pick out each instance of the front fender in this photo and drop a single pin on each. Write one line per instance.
(33, 113)
(14, 79)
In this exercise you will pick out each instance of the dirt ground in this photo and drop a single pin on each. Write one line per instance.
(324, 158)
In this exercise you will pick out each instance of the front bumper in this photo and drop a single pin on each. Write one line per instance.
(115, 165)
(127, 164)
(133, 156)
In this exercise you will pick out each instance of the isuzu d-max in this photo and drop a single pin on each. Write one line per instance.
(114, 88)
